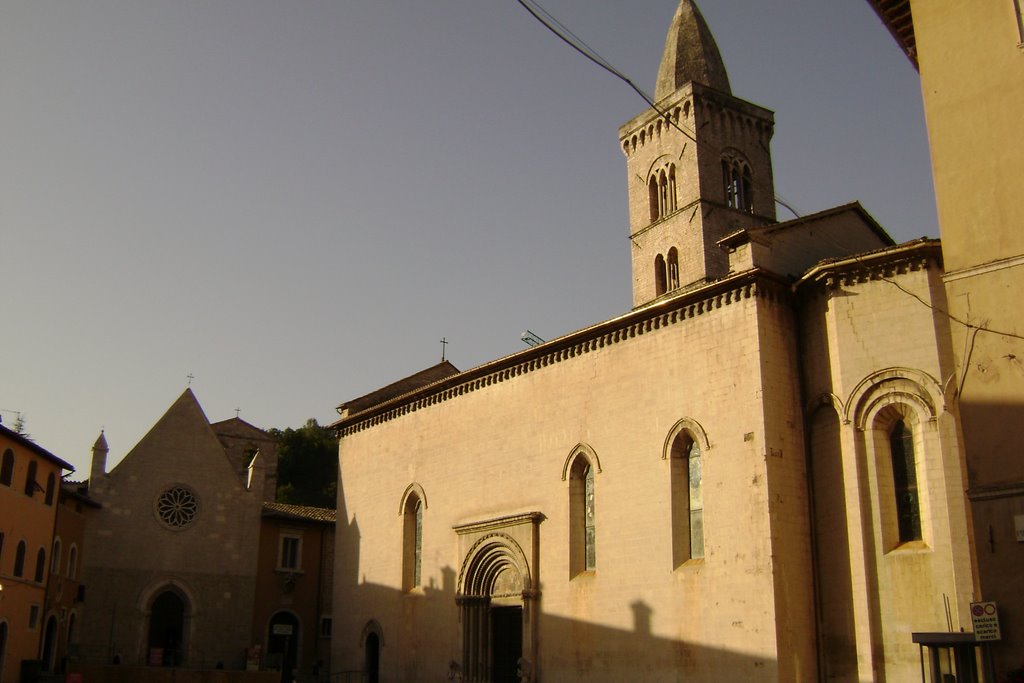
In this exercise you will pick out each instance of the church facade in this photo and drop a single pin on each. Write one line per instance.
(751, 475)
(172, 563)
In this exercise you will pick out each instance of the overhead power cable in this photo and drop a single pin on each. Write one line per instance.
(576, 43)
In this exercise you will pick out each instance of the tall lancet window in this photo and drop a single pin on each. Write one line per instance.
(652, 191)
(590, 533)
(1018, 8)
(582, 519)
(672, 187)
(687, 500)
(660, 276)
(673, 268)
(412, 542)
(904, 476)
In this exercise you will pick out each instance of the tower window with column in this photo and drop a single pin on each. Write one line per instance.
(661, 191)
(738, 183)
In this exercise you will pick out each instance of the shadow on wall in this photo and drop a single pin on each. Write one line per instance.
(419, 637)
(995, 470)
(388, 635)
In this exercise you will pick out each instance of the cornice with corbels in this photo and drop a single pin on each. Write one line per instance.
(664, 313)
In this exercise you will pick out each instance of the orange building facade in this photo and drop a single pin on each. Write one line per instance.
(292, 615)
(30, 480)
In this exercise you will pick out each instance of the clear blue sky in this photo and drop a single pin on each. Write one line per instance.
(295, 201)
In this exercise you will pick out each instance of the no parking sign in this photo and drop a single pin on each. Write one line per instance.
(985, 617)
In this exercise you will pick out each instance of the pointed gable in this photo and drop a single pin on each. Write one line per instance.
(181, 445)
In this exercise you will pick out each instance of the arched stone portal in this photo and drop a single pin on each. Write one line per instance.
(497, 599)
(166, 643)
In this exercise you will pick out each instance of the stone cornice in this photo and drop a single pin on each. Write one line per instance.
(675, 110)
(662, 313)
(498, 523)
(876, 265)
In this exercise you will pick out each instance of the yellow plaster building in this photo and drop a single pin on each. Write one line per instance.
(971, 59)
(751, 475)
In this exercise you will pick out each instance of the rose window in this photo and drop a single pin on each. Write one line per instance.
(177, 507)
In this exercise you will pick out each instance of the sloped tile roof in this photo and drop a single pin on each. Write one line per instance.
(299, 512)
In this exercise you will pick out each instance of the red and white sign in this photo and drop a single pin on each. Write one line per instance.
(985, 617)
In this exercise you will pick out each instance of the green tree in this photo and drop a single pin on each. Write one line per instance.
(19, 425)
(307, 465)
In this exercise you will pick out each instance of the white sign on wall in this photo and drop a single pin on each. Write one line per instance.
(985, 617)
(1018, 521)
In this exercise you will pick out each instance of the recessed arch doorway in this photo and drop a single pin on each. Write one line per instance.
(497, 602)
(167, 633)
(283, 633)
(49, 643)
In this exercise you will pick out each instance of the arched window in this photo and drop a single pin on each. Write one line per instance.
(673, 269)
(19, 559)
(55, 557)
(7, 468)
(904, 477)
(40, 566)
(51, 486)
(652, 194)
(412, 541)
(30, 479)
(582, 520)
(661, 192)
(672, 187)
(72, 561)
(660, 275)
(747, 197)
(738, 183)
(687, 500)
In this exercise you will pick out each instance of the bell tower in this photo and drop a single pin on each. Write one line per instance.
(699, 166)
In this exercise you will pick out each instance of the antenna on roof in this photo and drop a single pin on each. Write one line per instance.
(444, 343)
(530, 339)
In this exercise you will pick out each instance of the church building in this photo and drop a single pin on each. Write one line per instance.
(171, 571)
(751, 475)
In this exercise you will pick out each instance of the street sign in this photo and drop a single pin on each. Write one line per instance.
(985, 617)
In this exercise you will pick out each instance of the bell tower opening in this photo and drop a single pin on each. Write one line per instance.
(699, 166)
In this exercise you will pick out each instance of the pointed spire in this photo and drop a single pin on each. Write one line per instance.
(690, 54)
(98, 467)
